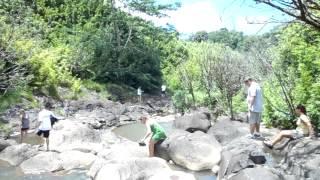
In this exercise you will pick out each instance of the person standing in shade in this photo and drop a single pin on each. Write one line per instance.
(163, 90)
(44, 120)
(255, 107)
(66, 108)
(154, 130)
(139, 93)
(25, 122)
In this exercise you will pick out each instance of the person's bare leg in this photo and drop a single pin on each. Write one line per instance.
(257, 127)
(41, 141)
(47, 142)
(252, 127)
(151, 147)
(280, 136)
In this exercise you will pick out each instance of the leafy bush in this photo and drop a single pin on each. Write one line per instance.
(94, 86)
(181, 101)
(239, 103)
(5, 129)
(120, 92)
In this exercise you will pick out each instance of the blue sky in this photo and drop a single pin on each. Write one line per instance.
(211, 15)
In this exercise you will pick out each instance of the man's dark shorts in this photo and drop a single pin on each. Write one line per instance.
(45, 133)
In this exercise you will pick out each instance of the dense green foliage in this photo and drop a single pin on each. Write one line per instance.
(285, 62)
(70, 43)
(297, 69)
(100, 45)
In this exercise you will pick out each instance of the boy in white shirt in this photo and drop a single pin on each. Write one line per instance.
(44, 120)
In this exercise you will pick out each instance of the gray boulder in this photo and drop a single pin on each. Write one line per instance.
(242, 117)
(255, 173)
(15, 154)
(125, 119)
(42, 163)
(192, 122)
(76, 160)
(118, 109)
(85, 104)
(96, 166)
(123, 150)
(97, 118)
(69, 135)
(225, 130)
(5, 143)
(240, 154)
(195, 151)
(302, 158)
(141, 168)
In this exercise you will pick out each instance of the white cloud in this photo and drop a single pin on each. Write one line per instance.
(198, 16)
(202, 16)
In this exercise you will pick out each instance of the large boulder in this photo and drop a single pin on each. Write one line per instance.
(195, 151)
(70, 135)
(192, 122)
(141, 168)
(302, 158)
(240, 154)
(123, 150)
(97, 118)
(225, 130)
(256, 173)
(96, 166)
(76, 160)
(118, 109)
(42, 163)
(15, 154)
(85, 104)
(5, 143)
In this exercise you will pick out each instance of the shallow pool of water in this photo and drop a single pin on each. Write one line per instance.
(30, 138)
(136, 131)
(8, 172)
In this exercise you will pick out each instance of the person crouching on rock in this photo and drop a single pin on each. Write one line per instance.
(44, 121)
(304, 128)
(154, 130)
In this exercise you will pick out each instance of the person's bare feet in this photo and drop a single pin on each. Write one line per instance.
(268, 144)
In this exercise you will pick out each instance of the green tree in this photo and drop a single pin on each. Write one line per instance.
(200, 36)
(233, 39)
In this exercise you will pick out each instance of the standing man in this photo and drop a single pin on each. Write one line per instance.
(255, 106)
(44, 120)
(163, 90)
(139, 93)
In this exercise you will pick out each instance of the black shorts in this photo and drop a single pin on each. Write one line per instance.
(24, 129)
(45, 133)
